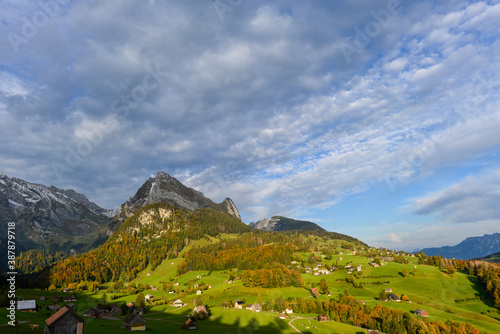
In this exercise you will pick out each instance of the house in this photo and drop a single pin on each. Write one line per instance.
(178, 303)
(289, 311)
(26, 305)
(147, 298)
(421, 313)
(200, 312)
(70, 298)
(198, 292)
(282, 316)
(139, 311)
(55, 297)
(198, 276)
(254, 307)
(209, 286)
(314, 292)
(115, 309)
(67, 290)
(130, 305)
(238, 304)
(134, 322)
(190, 324)
(322, 318)
(176, 284)
(64, 321)
(91, 313)
(154, 288)
(104, 314)
(393, 297)
(388, 290)
(171, 292)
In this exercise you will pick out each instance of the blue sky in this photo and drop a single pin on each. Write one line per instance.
(379, 120)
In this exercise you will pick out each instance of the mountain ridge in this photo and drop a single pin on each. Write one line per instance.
(469, 248)
(52, 218)
(280, 223)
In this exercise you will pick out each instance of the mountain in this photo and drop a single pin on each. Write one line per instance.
(470, 248)
(495, 258)
(278, 223)
(50, 217)
(165, 189)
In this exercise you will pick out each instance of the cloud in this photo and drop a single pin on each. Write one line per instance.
(261, 106)
(474, 199)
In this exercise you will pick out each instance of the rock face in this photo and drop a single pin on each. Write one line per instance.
(166, 189)
(278, 223)
(49, 217)
(473, 247)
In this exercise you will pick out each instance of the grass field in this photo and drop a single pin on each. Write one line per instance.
(427, 287)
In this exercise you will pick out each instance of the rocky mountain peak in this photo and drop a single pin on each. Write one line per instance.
(164, 188)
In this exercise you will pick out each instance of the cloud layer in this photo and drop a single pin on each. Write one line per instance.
(285, 108)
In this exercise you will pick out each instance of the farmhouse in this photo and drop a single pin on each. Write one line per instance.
(322, 318)
(289, 311)
(198, 292)
(393, 297)
(421, 313)
(254, 307)
(26, 305)
(178, 303)
(134, 322)
(70, 298)
(64, 321)
(200, 312)
(238, 304)
(147, 298)
(282, 316)
(315, 292)
(190, 324)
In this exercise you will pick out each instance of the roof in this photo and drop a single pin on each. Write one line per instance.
(134, 318)
(59, 314)
(200, 309)
(239, 302)
(26, 304)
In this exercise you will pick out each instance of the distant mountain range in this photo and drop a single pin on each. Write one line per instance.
(470, 248)
(278, 223)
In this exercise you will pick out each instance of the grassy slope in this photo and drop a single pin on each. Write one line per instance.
(430, 289)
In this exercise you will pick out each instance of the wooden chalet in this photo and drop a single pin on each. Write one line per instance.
(190, 324)
(322, 318)
(200, 312)
(64, 321)
(134, 322)
(422, 313)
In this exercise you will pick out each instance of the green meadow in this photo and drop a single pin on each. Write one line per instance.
(427, 288)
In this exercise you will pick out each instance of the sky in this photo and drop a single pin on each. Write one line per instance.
(376, 119)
